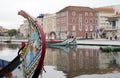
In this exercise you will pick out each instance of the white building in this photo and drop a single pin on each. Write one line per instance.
(116, 7)
(113, 29)
(103, 14)
(114, 25)
(24, 29)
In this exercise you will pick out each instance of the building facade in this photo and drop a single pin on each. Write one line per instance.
(24, 29)
(115, 7)
(103, 14)
(76, 22)
(48, 22)
(3, 31)
(103, 23)
(50, 26)
(114, 27)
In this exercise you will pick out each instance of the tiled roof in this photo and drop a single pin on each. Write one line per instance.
(77, 8)
(111, 10)
(117, 15)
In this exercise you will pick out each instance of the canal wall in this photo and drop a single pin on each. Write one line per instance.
(99, 42)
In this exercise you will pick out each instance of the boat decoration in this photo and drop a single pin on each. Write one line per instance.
(110, 49)
(33, 53)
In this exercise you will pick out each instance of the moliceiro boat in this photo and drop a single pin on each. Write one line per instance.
(31, 54)
(66, 42)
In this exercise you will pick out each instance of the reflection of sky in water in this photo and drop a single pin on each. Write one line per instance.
(52, 73)
(109, 75)
(8, 54)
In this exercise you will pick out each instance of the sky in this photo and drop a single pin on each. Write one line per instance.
(9, 9)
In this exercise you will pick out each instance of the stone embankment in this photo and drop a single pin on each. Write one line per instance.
(99, 42)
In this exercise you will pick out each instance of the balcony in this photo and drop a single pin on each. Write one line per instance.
(109, 28)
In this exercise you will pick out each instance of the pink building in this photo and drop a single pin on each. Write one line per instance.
(76, 21)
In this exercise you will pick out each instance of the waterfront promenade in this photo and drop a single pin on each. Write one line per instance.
(98, 42)
(7, 39)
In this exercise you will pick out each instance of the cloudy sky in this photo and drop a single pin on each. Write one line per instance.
(9, 8)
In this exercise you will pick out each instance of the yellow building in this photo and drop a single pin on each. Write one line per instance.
(48, 22)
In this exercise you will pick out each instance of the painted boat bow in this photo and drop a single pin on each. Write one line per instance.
(41, 43)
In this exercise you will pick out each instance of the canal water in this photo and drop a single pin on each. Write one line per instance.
(79, 61)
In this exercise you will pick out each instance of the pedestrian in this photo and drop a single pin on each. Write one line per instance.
(116, 37)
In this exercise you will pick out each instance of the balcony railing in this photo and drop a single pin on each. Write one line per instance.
(111, 28)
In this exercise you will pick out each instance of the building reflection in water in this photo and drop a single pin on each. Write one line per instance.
(83, 60)
(8, 45)
(8, 51)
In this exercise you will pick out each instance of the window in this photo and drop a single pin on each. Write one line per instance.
(73, 13)
(86, 28)
(91, 27)
(80, 27)
(86, 20)
(73, 20)
(113, 23)
(96, 21)
(86, 13)
(96, 14)
(73, 27)
(63, 14)
(91, 21)
(80, 22)
(63, 20)
(91, 14)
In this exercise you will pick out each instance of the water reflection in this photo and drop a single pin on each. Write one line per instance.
(83, 60)
(8, 45)
(8, 51)
(13, 46)
(70, 62)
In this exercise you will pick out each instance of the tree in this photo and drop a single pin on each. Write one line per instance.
(12, 32)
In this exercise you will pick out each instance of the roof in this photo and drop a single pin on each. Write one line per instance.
(111, 10)
(77, 8)
(117, 15)
(114, 17)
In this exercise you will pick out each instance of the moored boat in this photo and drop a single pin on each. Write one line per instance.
(110, 49)
(66, 42)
